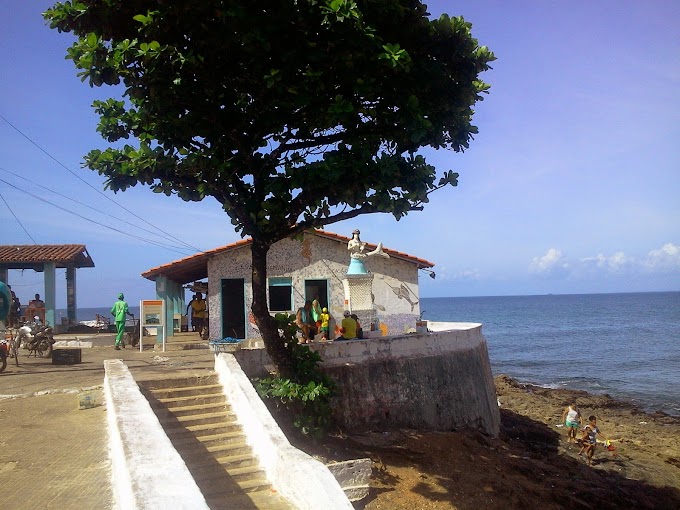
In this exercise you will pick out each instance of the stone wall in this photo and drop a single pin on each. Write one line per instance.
(433, 381)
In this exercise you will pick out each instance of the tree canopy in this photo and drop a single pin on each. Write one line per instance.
(292, 114)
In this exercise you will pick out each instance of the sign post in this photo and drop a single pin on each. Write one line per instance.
(152, 313)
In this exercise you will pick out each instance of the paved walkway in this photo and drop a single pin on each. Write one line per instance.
(53, 454)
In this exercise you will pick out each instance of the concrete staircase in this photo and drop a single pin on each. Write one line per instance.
(203, 429)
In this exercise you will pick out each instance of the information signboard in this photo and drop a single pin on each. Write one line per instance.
(152, 313)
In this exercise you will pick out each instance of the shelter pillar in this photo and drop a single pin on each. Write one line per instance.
(50, 293)
(71, 294)
(173, 294)
(3, 275)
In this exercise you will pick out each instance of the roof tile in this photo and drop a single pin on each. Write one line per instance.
(186, 266)
(39, 253)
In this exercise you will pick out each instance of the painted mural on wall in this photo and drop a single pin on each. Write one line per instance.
(395, 285)
(403, 292)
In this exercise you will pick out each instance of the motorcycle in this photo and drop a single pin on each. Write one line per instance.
(37, 338)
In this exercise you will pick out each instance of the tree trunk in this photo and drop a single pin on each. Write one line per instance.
(270, 334)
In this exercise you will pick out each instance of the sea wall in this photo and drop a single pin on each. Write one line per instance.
(440, 380)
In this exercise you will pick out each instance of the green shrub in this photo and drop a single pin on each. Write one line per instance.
(306, 394)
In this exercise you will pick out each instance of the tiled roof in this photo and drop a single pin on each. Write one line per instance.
(18, 256)
(392, 253)
(195, 267)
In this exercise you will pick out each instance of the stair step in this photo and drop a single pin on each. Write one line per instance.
(185, 391)
(185, 410)
(236, 467)
(176, 382)
(192, 452)
(225, 418)
(243, 473)
(199, 430)
(267, 499)
(191, 400)
(237, 488)
(209, 440)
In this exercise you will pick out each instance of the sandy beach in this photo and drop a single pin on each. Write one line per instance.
(530, 465)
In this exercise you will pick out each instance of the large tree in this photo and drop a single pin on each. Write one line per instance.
(292, 114)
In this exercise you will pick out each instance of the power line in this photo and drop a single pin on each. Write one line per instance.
(90, 185)
(16, 218)
(169, 247)
(81, 203)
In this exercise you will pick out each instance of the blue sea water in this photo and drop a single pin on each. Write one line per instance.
(626, 345)
(90, 314)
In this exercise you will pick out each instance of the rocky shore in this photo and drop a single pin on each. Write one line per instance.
(530, 465)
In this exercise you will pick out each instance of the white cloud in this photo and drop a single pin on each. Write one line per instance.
(661, 261)
(468, 274)
(617, 263)
(443, 274)
(665, 259)
(552, 262)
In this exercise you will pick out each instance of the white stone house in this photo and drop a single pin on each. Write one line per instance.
(297, 270)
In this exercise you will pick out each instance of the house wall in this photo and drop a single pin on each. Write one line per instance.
(395, 283)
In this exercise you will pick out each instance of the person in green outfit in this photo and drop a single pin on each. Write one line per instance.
(119, 310)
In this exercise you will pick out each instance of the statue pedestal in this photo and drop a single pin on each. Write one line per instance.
(359, 298)
(358, 291)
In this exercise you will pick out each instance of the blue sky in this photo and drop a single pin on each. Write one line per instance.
(572, 185)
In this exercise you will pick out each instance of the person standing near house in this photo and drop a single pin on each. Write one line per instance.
(119, 310)
(14, 310)
(17, 309)
(325, 320)
(199, 311)
(316, 312)
(193, 317)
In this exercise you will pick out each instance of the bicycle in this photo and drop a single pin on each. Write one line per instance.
(9, 348)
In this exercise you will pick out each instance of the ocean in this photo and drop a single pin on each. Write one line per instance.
(626, 345)
(90, 314)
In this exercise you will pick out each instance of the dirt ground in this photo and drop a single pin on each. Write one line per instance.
(530, 465)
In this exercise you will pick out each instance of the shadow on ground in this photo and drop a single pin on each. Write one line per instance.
(526, 467)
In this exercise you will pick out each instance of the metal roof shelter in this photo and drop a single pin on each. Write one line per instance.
(47, 258)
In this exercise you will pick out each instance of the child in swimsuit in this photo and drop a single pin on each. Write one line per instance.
(589, 439)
